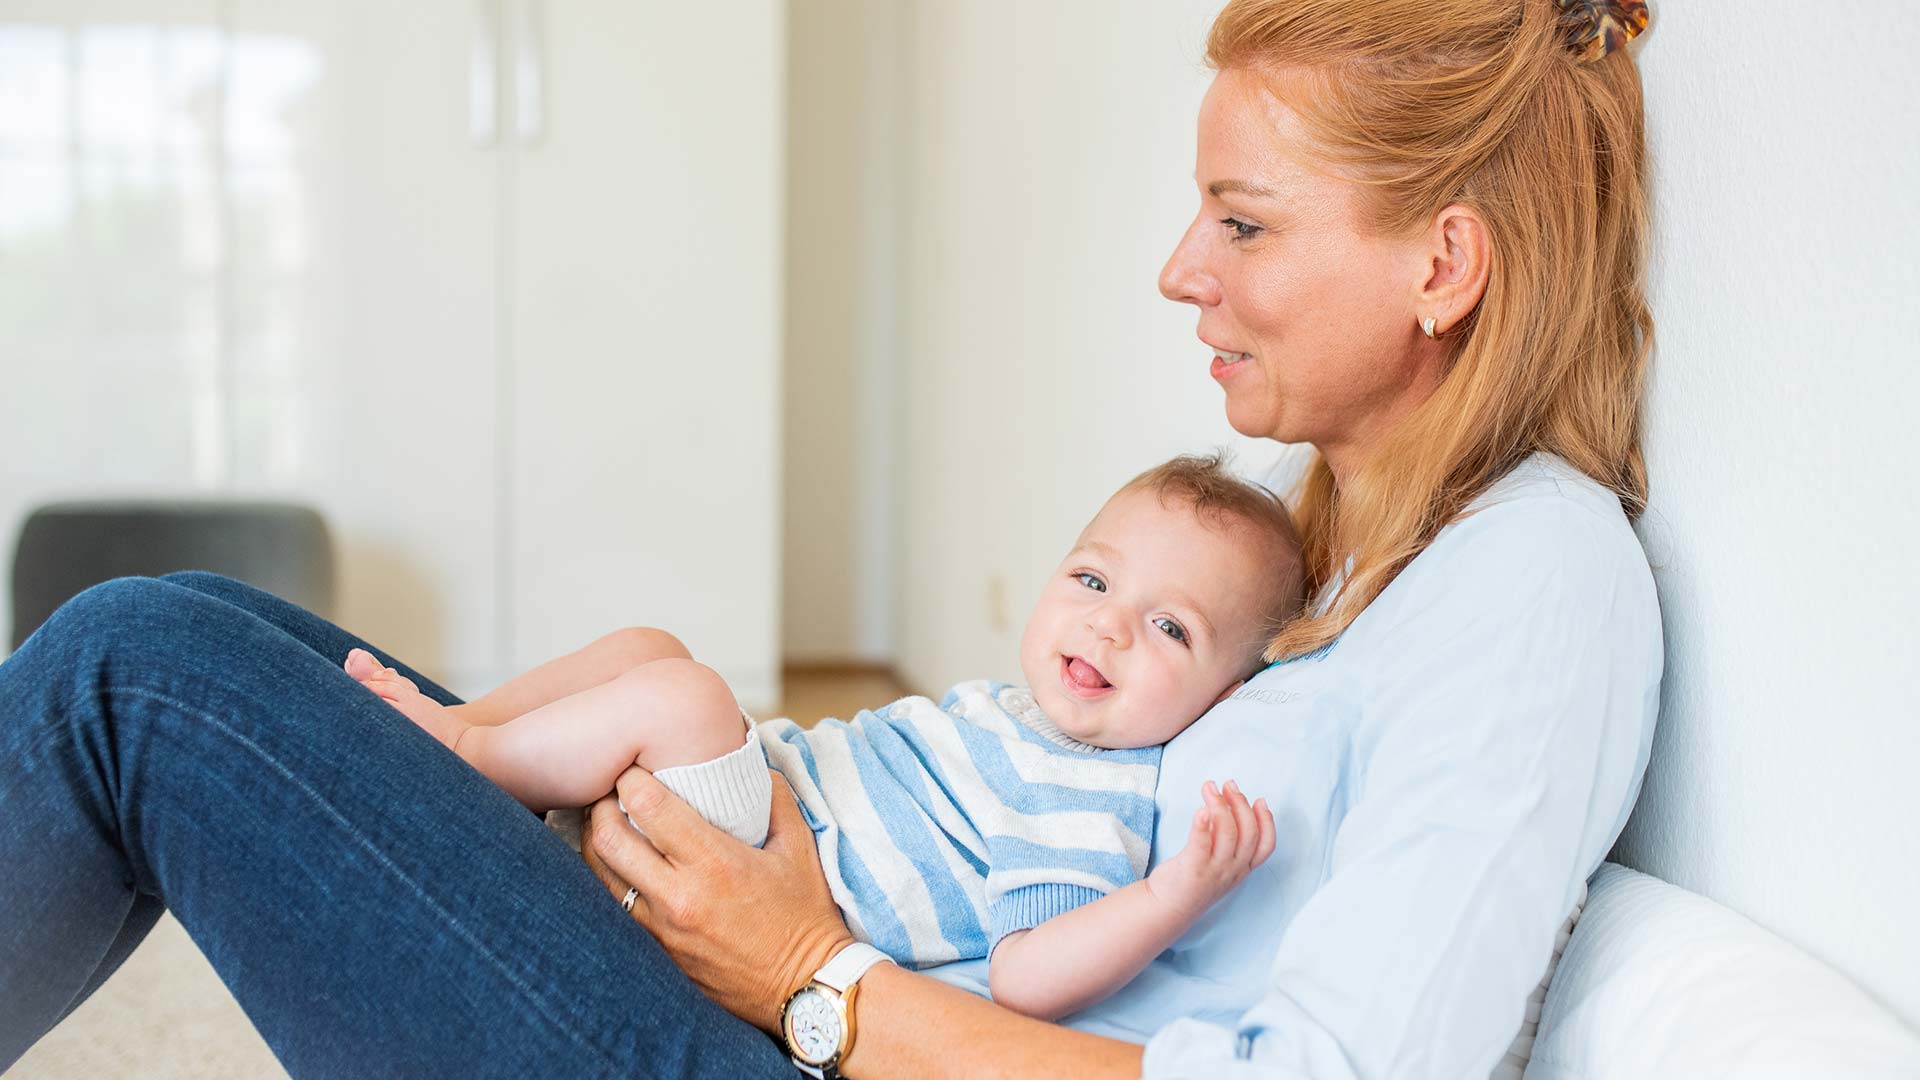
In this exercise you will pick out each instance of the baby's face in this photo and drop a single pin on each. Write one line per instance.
(1153, 617)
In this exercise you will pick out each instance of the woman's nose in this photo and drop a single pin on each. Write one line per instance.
(1184, 278)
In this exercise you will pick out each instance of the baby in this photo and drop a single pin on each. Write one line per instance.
(1007, 822)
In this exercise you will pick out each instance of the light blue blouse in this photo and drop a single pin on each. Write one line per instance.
(1443, 778)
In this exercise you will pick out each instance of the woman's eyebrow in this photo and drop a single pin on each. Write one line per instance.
(1240, 187)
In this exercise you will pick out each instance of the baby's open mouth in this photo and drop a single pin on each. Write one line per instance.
(1083, 678)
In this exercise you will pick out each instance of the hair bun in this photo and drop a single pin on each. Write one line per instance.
(1596, 28)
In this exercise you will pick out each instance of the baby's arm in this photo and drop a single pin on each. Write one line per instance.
(1074, 959)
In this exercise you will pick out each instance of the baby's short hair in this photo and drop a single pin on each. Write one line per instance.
(1204, 483)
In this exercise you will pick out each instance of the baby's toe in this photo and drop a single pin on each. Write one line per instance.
(361, 664)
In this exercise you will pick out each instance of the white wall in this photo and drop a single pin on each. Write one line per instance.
(1782, 449)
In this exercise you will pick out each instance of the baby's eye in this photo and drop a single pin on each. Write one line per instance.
(1172, 629)
(1241, 230)
(1091, 581)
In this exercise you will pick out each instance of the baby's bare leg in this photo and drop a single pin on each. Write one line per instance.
(569, 752)
(605, 659)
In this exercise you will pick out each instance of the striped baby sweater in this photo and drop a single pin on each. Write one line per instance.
(943, 828)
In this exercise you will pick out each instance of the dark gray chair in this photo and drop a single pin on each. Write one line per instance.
(67, 547)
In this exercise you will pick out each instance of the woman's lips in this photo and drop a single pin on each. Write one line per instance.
(1082, 679)
(1225, 364)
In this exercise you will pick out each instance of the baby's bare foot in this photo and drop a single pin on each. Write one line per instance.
(400, 692)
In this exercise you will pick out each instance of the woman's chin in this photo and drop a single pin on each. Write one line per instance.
(1255, 422)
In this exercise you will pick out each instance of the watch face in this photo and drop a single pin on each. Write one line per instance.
(813, 1027)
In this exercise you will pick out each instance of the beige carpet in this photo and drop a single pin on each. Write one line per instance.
(165, 1015)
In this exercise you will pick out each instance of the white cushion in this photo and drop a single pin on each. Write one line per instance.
(1659, 982)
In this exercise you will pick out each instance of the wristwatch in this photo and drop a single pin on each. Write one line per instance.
(817, 1020)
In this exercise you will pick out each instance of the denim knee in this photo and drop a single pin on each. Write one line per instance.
(125, 606)
(117, 596)
(200, 580)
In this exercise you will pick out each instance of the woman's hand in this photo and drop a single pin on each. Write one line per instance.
(748, 925)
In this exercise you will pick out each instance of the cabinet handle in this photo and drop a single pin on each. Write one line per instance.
(530, 70)
(483, 75)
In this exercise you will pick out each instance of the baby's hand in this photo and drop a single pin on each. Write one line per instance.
(400, 692)
(1229, 838)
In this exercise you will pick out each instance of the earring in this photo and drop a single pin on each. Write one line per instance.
(1427, 327)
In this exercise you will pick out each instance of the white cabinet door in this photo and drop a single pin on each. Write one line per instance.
(250, 247)
(646, 340)
(257, 247)
(365, 223)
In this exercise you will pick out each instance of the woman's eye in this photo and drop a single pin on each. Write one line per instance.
(1241, 230)
(1172, 629)
(1091, 581)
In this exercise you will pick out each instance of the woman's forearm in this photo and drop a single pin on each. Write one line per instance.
(907, 1024)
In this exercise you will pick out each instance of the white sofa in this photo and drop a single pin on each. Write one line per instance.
(1658, 982)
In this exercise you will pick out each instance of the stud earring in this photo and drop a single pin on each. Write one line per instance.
(1427, 327)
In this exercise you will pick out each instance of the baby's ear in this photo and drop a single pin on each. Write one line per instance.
(1229, 690)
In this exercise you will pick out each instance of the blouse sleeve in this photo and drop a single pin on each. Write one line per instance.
(1511, 678)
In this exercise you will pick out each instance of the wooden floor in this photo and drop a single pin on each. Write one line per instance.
(814, 692)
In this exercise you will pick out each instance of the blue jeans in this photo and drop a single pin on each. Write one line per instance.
(376, 906)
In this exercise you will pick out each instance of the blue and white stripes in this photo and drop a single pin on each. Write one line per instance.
(942, 828)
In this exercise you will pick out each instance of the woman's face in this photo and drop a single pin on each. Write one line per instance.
(1313, 321)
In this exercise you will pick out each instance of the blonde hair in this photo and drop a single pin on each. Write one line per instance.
(1204, 484)
(1428, 103)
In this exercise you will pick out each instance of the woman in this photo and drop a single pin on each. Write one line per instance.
(1419, 248)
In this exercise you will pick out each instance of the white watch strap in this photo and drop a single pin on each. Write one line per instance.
(848, 965)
